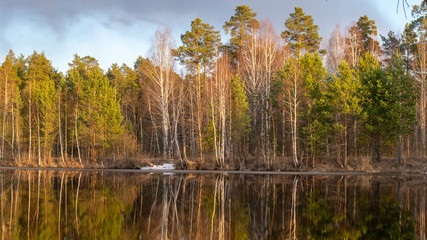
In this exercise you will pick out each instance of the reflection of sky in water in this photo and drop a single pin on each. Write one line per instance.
(105, 205)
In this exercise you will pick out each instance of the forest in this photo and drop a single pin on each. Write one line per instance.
(263, 99)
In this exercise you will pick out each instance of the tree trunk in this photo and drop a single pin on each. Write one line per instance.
(60, 131)
(376, 147)
(4, 116)
(199, 113)
(38, 136)
(77, 138)
(29, 124)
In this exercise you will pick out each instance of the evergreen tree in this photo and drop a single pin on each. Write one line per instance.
(419, 13)
(301, 34)
(240, 26)
(409, 45)
(318, 109)
(391, 45)
(97, 112)
(239, 114)
(343, 95)
(404, 94)
(376, 102)
(124, 80)
(11, 105)
(368, 31)
(199, 47)
(42, 104)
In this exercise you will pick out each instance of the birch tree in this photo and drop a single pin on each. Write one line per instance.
(199, 47)
(420, 75)
(290, 78)
(335, 50)
(161, 87)
(11, 106)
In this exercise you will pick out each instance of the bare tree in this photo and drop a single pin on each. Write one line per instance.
(222, 100)
(160, 74)
(293, 100)
(353, 50)
(251, 75)
(335, 50)
(420, 68)
(270, 47)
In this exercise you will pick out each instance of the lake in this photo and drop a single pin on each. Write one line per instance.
(126, 205)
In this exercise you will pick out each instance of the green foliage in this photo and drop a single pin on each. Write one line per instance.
(9, 71)
(391, 44)
(199, 45)
(388, 98)
(123, 79)
(319, 109)
(404, 94)
(42, 77)
(241, 220)
(409, 38)
(368, 31)
(301, 33)
(388, 221)
(239, 109)
(320, 219)
(375, 96)
(240, 26)
(104, 216)
(419, 13)
(343, 90)
(96, 104)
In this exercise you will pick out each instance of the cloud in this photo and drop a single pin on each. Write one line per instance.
(64, 27)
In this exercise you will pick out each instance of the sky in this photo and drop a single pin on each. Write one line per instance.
(118, 31)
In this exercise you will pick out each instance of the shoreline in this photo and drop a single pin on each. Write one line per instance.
(225, 172)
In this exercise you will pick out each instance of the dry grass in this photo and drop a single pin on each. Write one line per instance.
(322, 164)
(365, 164)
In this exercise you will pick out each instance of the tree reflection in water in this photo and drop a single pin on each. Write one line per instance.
(103, 205)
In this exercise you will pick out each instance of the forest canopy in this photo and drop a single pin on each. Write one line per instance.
(264, 96)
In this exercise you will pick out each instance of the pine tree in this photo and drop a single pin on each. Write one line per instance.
(346, 103)
(42, 104)
(318, 108)
(368, 31)
(376, 101)
(301, 34)
(11, 107)
(404, 94)
(97, 114)
(126, 88)
(391, 44)
(419, 13)
(199, 47)
(241, 26)
(239, 115)
(409, 45)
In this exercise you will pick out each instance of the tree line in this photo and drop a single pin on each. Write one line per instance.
(261, 96)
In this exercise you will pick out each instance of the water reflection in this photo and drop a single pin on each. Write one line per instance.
(102, 205)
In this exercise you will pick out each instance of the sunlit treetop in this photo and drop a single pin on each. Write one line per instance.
(241, 24)
(301, 33)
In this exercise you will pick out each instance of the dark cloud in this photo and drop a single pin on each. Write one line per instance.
(57, 14)
(59, 21)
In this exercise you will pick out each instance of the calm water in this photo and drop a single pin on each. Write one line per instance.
(103, 205)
